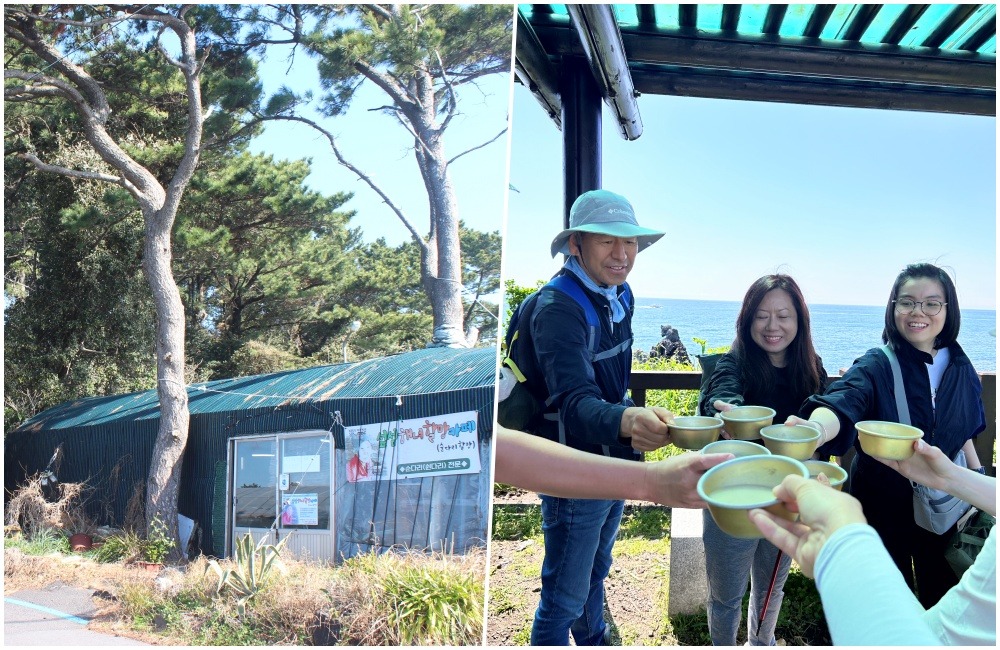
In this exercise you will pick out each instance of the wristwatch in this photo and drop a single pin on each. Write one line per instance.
(981, 469)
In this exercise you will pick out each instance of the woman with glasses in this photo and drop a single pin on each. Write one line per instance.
(944, 398)
(772, 363)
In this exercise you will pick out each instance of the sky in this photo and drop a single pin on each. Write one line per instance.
(839, 198)
(377, 144)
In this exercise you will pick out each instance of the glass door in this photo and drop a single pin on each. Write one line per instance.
(304, 490)
(255, 482)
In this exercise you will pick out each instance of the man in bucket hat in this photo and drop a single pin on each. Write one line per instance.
(580, 372)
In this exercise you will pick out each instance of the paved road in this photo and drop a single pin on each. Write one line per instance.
(54, 616)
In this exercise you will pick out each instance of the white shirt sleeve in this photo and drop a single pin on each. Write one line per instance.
(966, 615)
(865, 598)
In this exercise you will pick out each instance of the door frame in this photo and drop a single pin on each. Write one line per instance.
(275, 532)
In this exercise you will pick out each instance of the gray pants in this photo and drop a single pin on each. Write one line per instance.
(730, 563)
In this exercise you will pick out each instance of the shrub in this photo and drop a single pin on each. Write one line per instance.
(42, 543)
(158, 543)
(411, 599)
(121, 547)
(251, 569)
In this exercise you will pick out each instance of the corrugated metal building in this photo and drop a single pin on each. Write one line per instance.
(347, 457)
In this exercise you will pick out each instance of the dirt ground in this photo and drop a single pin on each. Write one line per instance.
(635, 589)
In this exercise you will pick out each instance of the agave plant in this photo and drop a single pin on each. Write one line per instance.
(251, 569)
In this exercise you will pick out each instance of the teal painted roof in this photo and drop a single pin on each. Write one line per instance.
(432, 370)
(923, 57)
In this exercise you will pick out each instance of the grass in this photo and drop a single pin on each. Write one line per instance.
(391, 599)
(516, 521)
(44, 543)
(645, 531)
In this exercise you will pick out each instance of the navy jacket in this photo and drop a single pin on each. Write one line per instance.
(590, 397)
(865, 392)
(726, 384)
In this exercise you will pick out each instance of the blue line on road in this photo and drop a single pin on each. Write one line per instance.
(47, 610)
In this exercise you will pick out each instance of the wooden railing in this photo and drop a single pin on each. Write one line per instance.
(644, 380)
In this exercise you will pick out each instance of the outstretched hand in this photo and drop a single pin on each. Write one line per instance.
(646, 427)
(722, 407)
(822, 511)
(674, 481)
(928, 466)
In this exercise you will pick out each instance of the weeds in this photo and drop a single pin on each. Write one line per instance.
(516, 521)
(30, 511)
(42, 543)
(407, 599)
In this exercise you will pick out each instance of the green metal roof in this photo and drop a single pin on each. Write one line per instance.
(939, 58)
(432, 370)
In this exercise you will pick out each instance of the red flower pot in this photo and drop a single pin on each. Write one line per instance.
(81, 542)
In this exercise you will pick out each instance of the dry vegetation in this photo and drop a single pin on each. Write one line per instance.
(390, 599)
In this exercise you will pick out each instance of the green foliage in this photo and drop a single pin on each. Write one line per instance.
(431, 606)
(158, 542)
(514, 294)
(480, 275)
(678, 402)
(515, 521)
(43, 542)
(801, 620)
(646, 522)
(121, 547)
(252, 569)
(471, 41)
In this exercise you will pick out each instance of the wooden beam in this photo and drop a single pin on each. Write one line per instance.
(730, 17)
(863, 17)
(793, 56)
(773, 19)
(794, 90)
(904, 23)
(818, 20)
(948, 26)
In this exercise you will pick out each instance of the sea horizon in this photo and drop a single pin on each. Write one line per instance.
(841, 333)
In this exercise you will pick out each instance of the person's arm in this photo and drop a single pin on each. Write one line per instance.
(865, 599)
(823, 420)
(971, 455)
(931, 467)
(844, 401)
(724, 389)
(540, 465)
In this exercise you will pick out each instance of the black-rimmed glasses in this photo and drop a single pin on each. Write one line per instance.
(929, 307)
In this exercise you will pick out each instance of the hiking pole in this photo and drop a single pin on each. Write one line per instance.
(770, 588)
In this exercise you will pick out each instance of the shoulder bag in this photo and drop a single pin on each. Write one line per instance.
(933, 510)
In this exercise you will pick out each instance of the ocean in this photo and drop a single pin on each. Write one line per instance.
(841, 333)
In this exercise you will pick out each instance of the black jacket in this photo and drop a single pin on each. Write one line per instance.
(865, 392)
(589, 397)
(726, 384)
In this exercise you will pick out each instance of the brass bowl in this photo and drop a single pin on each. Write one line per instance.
(889, 440)
(832, 471)
(795, 441)
(732, 488)
(738, 448)
(745, 422)
(694, 431)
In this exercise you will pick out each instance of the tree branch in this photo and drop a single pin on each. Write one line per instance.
(73, 173)
(357, 172)
(452, 98)
(488, 142)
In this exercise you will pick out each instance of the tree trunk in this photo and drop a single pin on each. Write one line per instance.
(165, 464)
(443, 271)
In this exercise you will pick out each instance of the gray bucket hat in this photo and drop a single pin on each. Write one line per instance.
(607, 213)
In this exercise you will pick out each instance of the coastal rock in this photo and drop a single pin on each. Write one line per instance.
(670, 346)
